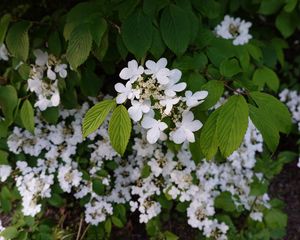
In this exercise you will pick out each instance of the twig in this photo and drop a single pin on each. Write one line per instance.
(79, 229)
(84, 232)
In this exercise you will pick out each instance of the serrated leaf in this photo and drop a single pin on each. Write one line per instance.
(137, 32)
(209, 137)
(4, 22)
(27, 116)
(274, 109)
(286, 23)
(215, 90)
(224, 201)
(51, 115)
(79, 46)
(232, 124)
(119, 129)
(275, 219)
(230, 67)
(266, 127)
(17, 40)
(266, 76)
(175, 28)
(96, 115)
(97, 30)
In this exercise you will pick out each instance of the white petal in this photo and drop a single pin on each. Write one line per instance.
(179, 87)
(148, 122)
(125, 74)
(63, 73)
(133, 65)
(178, 136)
(200, 94)
(162, 63)
(153, 135)
(121, 98)
(175, 75)
(120, 88)
(55, 99)
(135, 113)
(189, 135)
(195, 125)
(50, 74)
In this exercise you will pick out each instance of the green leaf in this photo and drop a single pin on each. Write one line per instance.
(107, 226)
(6, 200)
(54, 43)
(4, 22)
(266, 76)
(137, 32)
(51, 115)
(98, 187)
(266, 127)
(170, 236)
(274, 109)
(8, 102)
(56, 200)
(27, 116)
(119, 129)
(175, 28)
(290, 5)
(268, 7)
(232, 124)
(9, 232)
(224, 201)
(286, 23)
(209, 137)
(157, 47)
(258, 188)
(230, 67)
(79, 46)
(3, 157)
(17, 40)
(96, 115)
(275, 219)
(215, 91)
(98, 29)
(117, 222)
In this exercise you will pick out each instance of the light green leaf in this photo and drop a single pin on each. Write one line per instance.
(209, 137)
(232, 124)
(79, 46)
(119, 129)
(117, 222)
(96, 115)
(4, 22)
(27, 116)
(215, 90)
(137, 32)
(3, 157)
(230, 67)
(175, 28)
(266, 76)
(170, 236)
(9, 232)
(275, 219)
(17, 40)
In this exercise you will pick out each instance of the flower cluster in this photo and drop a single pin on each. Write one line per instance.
(234, 28)
(43, 79)
(176, 175)
(155, 101)
(292, 100)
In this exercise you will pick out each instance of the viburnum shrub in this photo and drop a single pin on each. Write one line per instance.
(146, 118)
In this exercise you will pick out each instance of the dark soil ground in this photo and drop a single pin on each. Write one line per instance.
(286, 186)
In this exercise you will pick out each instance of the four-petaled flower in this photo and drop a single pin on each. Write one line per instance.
(132, 72)
(193, 100)
(125, 92)
(156, 128)
(137, 109)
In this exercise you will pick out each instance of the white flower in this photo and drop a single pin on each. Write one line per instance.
(193, 100)
(137, 109)
(156, 128)
(41, 57)
(125, 92)
(61, 70)
(158, 70)
(236, 29)
(132, 72)
(3, 52)
(186, 128)
(168, 103)
(68, 177)
(5, 171)
(173, 86)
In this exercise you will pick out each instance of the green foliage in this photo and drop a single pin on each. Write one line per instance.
(119, 129)
(266, 76)
(96, 115)
(225, 128)
(17, 40)
(27, 116)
